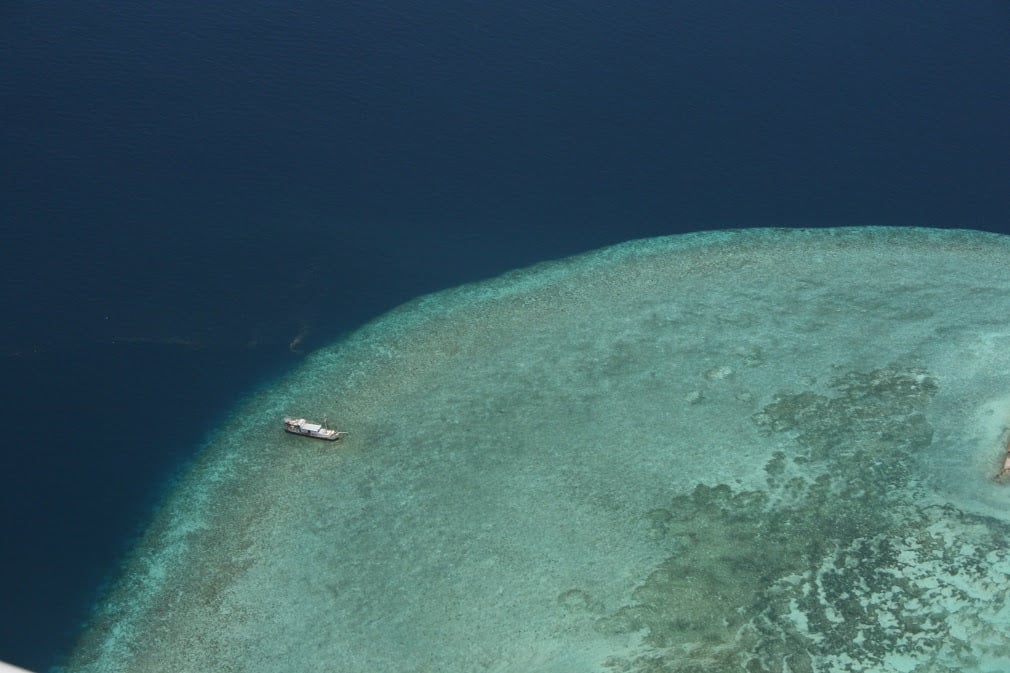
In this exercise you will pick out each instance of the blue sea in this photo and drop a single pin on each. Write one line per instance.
(196, 195)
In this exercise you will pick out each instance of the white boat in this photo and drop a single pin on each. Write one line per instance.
(300, 426)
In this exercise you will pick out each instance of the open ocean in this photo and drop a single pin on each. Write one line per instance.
(194, 195)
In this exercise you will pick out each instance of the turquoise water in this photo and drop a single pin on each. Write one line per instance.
(766, 450)
(191, 187)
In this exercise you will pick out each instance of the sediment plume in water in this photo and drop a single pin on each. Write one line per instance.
(762, 450)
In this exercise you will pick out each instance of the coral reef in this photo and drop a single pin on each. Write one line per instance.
(836, 567)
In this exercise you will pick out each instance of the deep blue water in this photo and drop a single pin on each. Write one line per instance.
(187, 187)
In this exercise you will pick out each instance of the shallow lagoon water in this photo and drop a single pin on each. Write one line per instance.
(764, 450)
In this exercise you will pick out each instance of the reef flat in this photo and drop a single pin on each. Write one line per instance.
(762, 450)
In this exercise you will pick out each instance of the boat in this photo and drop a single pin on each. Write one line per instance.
(300, 426)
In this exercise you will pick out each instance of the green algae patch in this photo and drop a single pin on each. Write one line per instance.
(761, 451)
